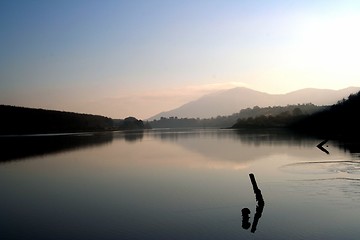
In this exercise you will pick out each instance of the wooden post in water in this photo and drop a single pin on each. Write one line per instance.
(253, 182)
(260, 202)
(257, 191)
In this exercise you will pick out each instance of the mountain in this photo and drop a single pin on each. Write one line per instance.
(230, 101)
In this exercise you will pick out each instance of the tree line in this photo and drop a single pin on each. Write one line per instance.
(340, 120)
(22, 120)
(228, 121)
(281, 119)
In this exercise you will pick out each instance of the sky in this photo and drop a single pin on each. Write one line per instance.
(141, 57)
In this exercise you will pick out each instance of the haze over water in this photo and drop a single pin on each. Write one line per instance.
(178, 184)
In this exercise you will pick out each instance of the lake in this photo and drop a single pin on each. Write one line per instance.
(177, 184)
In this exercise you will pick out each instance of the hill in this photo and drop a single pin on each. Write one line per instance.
(340, 121)
(227, 121)
(21, 120)
(231, 101)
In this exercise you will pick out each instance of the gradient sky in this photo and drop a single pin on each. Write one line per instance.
(138, 58)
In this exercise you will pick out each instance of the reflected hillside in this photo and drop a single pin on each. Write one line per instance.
(350, 146)
(226, 145)
(22, 147)
(245, 136)
(26, 146)
(259, 137)
(129, 136)
(242, 146)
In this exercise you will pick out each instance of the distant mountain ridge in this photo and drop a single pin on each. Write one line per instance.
(227, 102)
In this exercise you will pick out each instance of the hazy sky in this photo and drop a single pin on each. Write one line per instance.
(121, 58)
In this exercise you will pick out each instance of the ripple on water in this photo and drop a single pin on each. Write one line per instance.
(350, 167)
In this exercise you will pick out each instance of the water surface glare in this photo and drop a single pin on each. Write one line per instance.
(177, 184)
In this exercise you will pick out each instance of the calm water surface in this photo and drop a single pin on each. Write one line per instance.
(165, 184)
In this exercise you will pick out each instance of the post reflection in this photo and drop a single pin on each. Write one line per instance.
(133, 136)
(246, 218)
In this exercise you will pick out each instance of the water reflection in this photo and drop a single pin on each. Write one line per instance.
(250, 145)
(229, 146)
(333, 173)
(245, 212)
(130, 136)
(353, 147)
(255, 137)
(158, 185)
(259, 137)
(21, 147)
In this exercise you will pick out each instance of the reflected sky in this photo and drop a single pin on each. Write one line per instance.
(182, 185)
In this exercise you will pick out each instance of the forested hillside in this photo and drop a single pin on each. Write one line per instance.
(227, 102)
(21, 120)
(228, 121)
(275, 116)
(341, 120)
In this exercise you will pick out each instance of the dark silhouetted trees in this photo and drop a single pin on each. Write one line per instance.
(130, 123)
(341, 120)
(281, 120)
(21, 120)
(227, 121)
